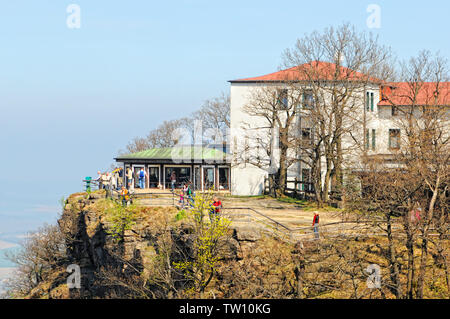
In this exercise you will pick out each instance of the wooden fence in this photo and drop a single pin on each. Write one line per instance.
(295, 186)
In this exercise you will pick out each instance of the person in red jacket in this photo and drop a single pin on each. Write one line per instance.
(215, 208)
(316, 225)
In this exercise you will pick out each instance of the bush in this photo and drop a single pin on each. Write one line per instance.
(121, 219)
(42, 253)
(180, 215)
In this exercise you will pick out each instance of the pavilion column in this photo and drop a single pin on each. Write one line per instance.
(201, 177)
(164, 176)
(124, 178)
(160, 172)
(216, 177)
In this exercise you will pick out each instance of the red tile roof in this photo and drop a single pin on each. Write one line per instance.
(401, 93)
(395, 93)
(316, 70)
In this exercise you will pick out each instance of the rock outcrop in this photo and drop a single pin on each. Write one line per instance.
(91, 244)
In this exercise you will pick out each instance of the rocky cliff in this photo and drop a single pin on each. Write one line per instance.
(113, 260)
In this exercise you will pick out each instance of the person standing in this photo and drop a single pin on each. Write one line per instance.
(215, 209)
(106, 180)
(173, 180)
(142, 175)
(120, 179)
(113, 183)
(189, 194)
(181, 201)
(316, 225)
(99, 180)
(129, 176)
(131, 185)
(124, 195)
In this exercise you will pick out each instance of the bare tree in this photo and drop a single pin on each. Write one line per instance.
(425, 152)
(214, 114)
(274, 109)
(162, 136)
(337, 92)
(325, 98)
(409, 186)
(42, 255)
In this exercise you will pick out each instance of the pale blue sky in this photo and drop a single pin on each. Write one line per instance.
(70, 99)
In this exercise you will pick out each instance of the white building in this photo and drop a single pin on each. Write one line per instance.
(374, 129)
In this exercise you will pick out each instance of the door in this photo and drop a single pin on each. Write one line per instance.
(182, 175)
(208, 177)
(136, 170)
(224, 178)
(153, 176)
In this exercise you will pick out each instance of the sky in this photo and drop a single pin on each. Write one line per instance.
(70, 99)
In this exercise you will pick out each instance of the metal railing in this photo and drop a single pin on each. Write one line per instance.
(150, 198)
(341, 229)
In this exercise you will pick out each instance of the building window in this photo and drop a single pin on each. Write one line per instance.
(366, 144)
(307, 185)
(367, 140)
(306, 136)
(373, 139)
(224, 178)
(394, 110)
(367, 101)
(308, 100)
(182, 175)
(370, 102)
(394, 138)
(283, 98)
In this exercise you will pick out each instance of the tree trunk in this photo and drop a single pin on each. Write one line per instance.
(423, 263)
(326, 183)
(317, 181)
(283, 163)
(424, 247)
(443, 256)
(339, 178)
(411, 273)
(393, 265)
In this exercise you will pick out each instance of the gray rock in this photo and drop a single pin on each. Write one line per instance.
(247, 234)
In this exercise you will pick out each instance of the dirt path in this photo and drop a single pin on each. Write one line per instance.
(290, 215)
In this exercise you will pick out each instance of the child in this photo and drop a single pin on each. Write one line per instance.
(181, 201)
(189, 194)
(316, 225)
(215, 209)
(124, 195)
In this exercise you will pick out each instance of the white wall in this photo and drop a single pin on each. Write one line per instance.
(247, 179)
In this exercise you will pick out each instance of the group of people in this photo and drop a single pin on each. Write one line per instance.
(114, 180)
(131, 177)
(110, 180)
(187, 199)
(186, 195)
